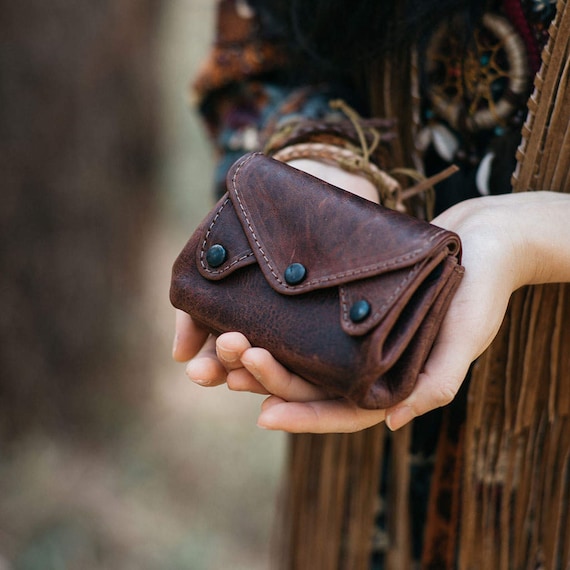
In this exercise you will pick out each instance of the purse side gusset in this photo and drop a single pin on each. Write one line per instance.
(404, 366)
(387, 295)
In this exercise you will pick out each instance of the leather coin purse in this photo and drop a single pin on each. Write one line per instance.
(346, 293)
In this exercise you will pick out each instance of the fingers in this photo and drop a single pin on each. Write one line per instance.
(188, 337)
(240, 380)
(205, 368)
(279, 381)
(325, 416)
(218, 362)
(256, 370)
(230, 348)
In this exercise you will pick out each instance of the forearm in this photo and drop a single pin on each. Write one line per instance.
(533, 228)
(545, 222)
(335, 175)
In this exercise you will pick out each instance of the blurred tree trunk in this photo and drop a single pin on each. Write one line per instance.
(78, 132)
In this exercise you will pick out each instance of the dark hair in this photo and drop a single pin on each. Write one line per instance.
(344, 34)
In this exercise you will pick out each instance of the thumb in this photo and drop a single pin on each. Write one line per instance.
(437, 385)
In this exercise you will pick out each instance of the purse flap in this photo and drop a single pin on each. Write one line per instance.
(307, 234)
(222, 229)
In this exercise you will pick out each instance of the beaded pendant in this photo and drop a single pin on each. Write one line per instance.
(478, 86)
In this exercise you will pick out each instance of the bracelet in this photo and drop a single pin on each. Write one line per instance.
(388, 188)
(304, 140)
(371, 138)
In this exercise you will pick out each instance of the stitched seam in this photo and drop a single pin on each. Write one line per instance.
(310, 283)
(234, 179)
(226, 267)
(203, 248)
(384, 265)
(386, 304)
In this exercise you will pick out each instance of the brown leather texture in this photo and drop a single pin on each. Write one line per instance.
(402, 270)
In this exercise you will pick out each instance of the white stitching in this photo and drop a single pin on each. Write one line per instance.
(234, 178)
(386, 304)
(202, 250)
(225, 267)
(310, 283)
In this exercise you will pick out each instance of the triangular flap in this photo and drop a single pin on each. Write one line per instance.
(223, 230)
(290, 217)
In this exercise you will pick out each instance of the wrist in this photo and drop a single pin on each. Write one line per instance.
(335, 175)
(544, 222)
(526, 235)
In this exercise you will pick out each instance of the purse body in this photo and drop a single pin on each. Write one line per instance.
(346, 293)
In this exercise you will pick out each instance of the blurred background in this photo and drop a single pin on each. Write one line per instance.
(109, 457)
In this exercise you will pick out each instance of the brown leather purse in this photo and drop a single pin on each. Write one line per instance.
(346, 293)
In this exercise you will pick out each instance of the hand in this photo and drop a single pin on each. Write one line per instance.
(471, 323)
(293, 404)
(508, 241)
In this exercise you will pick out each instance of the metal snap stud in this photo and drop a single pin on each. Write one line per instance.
(360, 311)
(295, 273)
(216, 255)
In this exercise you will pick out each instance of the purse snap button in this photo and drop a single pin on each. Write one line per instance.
(360, 311)
(216, 255)
(295, 273)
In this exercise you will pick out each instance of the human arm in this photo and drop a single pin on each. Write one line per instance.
(499, 257)
(508, 240)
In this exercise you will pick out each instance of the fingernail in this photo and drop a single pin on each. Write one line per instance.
(199, 381)
(194, 377)
(399, 418)
(227, 356)
(252, 369)
(175, 345)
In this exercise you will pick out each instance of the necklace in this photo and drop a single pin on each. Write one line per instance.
(476, 90)
(477, 86)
